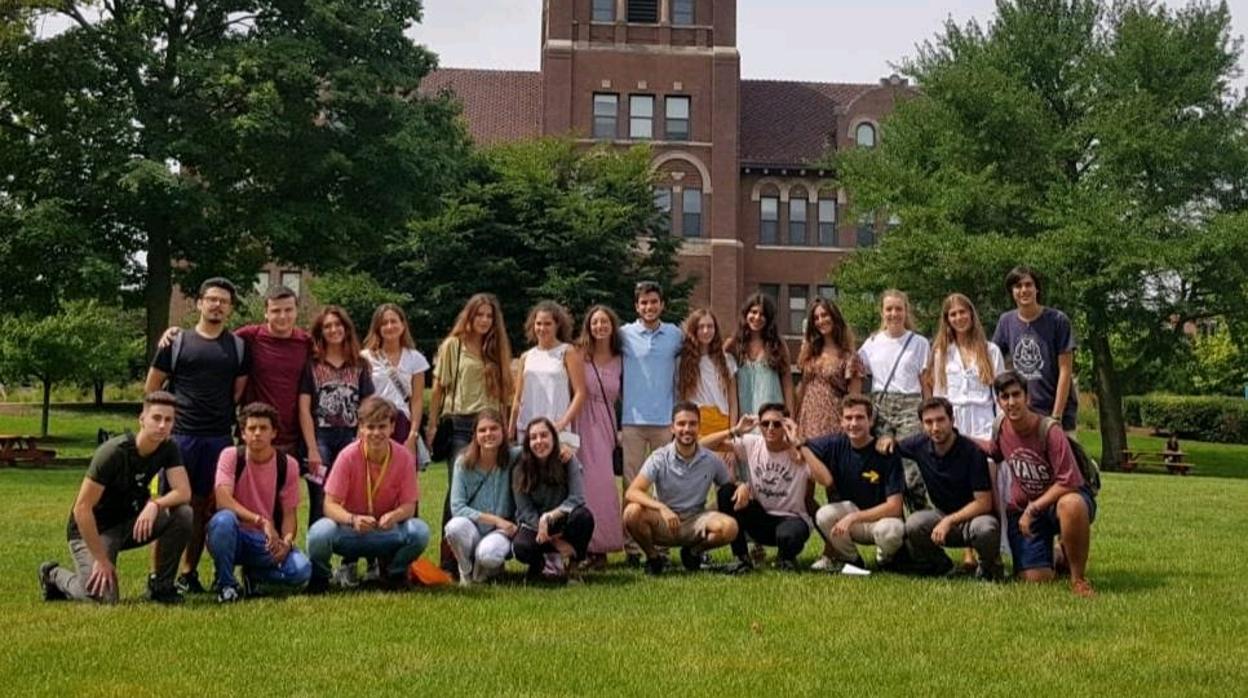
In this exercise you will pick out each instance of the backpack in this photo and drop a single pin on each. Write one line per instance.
(1088, 467)
(240, 464)
(240, 348)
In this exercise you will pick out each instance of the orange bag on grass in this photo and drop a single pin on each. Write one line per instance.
(425, 573)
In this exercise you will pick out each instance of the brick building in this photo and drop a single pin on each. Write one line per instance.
(735, 159)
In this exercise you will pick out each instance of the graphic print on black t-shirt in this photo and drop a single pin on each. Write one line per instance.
(1029, 357)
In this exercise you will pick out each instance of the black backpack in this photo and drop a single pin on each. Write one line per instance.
(1088, 467)
(240, 464)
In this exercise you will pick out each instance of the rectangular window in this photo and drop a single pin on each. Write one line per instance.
(682, 12)
(676, 118)
(641, 116)
(606, 107)
(262, 283)
(827, 223)
(768, 220)
(604, 11)
(663, 201)
(772, 291)
(828, 292)
(291, 279)
(866, 230)
(797, 221)
(691, 213)
(797, 309)
(643, 11)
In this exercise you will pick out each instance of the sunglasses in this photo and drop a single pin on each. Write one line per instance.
(771, 424)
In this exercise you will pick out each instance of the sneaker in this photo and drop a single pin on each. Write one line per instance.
(189, 583)
(317, 586)
(758, 554)
(229, 594)
(992, 572)
(51, 592)
(373, 573)
(553, 567)
(1082, 587)
(655, 565)
(824, 564)
(741, 565)
(690, 559)
(346, 576)
(785, 565)
(632, 560)
(162, 594)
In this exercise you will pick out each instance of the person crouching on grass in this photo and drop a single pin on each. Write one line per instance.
(257, 505)
(550, 505)
(370, 503)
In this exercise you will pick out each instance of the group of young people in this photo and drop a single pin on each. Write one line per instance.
(904, 435)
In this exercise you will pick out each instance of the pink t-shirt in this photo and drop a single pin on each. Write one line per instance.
(1036, 463)
(348, 481)
(256, 489)
(777, 480)
(276, 371)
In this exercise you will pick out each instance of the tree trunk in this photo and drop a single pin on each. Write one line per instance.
(159, 288)
(47, 405)
(99, 393)
(1109, 402)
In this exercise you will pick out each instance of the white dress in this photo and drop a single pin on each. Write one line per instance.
(973, 405)
(547, 389)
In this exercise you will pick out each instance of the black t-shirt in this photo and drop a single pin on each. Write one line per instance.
(203, 382)
(951, 479)
(126, 477)
(860, 475)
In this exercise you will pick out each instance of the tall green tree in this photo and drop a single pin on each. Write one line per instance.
(163, 141)
(1101, 143)
(543, 219)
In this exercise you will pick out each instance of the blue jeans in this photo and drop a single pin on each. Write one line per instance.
(329, 442)
(400, 545)
(230, 545)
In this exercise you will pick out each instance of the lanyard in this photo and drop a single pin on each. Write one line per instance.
(370, 488)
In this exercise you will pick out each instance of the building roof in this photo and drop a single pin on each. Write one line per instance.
(499, 105)
(791, 123)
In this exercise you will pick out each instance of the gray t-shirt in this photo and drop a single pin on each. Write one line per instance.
(682, 484)
(1032, 349)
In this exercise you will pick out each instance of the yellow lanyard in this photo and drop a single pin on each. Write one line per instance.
(370, 488)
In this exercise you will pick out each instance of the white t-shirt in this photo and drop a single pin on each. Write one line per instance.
(879, 353)
(411, 363)
(710, 390)
(777, 479)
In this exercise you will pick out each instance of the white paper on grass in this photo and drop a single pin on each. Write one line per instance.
(855, 571)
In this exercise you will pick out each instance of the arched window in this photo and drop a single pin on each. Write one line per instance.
(864, 135)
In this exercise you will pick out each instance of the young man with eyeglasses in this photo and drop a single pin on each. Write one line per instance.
(768, 500)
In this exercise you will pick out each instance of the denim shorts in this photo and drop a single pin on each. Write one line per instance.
(1036, 552)
(199, 455)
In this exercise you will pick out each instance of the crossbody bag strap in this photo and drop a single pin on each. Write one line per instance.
(601, 388)
(900, 354)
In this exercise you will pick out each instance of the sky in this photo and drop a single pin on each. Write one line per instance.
(815, 40)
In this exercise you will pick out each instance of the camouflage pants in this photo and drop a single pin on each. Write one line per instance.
(897, 415)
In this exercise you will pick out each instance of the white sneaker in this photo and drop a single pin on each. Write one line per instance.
(346, 577)
(373, 574)
(823, 564)
(465, 580)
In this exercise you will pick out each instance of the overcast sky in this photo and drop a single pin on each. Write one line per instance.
(817, 40)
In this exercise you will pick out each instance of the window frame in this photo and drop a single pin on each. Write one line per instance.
(825, 226)
(662, 193)
(668, 119)
(798, 204)
(633, 119)
(688, 195)
(595, 116)
(763, 221)
(874, 134)
(605, 6)
(628, 12)
(798, 294)
(692, 13)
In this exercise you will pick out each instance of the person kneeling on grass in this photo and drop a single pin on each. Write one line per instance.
(770, 505)
(480, 530)
(370, 503)
(256, 522)
(955, 471)
(867, 483)
(550, 505)
(681, 473)
(115, 511)
(1048, 496)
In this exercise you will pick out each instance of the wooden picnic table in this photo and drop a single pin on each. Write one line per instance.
(1173, 461)
(16, 449)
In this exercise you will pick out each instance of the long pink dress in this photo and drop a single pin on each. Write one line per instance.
(595, 424)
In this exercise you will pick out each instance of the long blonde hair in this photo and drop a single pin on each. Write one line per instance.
(495, 346)
(905, 301)
(946, 335)
(689, 369)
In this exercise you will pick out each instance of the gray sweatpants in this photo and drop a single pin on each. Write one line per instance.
(172, 529)
(983, 533)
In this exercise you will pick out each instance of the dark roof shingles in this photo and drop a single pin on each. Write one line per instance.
(499, 105)
(791, 123)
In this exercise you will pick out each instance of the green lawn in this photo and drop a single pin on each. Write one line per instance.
(1170, 618)
(72, 429)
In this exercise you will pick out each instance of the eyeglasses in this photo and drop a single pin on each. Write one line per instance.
(771, 424)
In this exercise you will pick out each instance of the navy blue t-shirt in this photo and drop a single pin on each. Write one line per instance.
(861, 475)
(203, 382)
(952, 479)
(1032, 349)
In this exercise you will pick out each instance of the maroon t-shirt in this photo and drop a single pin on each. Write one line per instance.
(276, 369)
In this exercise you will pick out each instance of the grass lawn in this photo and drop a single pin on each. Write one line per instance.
(72, 428)
(1170, 618)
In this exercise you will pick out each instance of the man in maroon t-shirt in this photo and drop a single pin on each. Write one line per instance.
(1047, 496)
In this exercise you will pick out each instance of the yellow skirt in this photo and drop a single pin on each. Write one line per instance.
(712, 420)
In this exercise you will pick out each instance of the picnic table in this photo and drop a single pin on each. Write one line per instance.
(1173, 461)
(16, 449)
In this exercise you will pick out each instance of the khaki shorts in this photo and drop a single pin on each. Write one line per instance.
(692, 529)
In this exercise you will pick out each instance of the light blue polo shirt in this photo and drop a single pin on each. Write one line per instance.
(650, 359)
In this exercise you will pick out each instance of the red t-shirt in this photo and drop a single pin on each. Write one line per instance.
(1036, 462)
(348, 481)
(255, 490)
(276, 370)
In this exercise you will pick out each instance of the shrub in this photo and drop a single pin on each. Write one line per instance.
(1204, 418)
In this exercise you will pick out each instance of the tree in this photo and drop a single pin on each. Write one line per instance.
(357, 293)
(162, 141)
(82, 343)
(542, 219)
(1099, 143)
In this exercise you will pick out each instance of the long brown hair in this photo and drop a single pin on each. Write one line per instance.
(777, 352)
(585, 342)
(946, 335)
(689, 371)
(812, 342)
(350, 341)
(558, 314)
(531, 470)
(471, 456)
(373, 340)
(495, 346)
